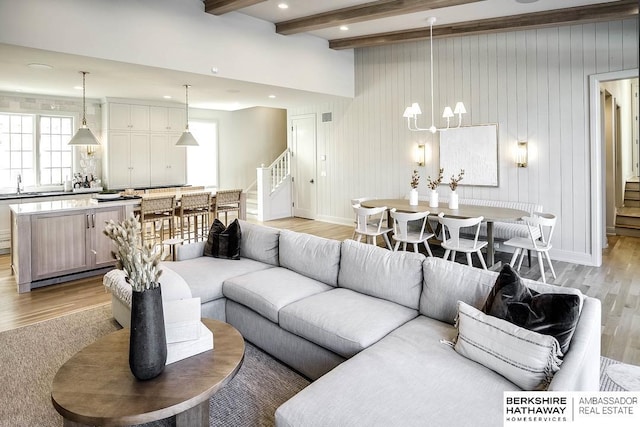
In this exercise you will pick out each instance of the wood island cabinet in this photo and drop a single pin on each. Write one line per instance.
(56, 246)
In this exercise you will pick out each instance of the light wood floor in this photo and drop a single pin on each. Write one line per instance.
(616, 284)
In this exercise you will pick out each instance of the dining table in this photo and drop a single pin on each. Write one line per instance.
(490, 215)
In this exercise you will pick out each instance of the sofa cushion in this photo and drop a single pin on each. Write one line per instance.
(267, 291)
(371, 270)
(311, 256)
(223, 242)
(205, 275)
(548, 313)
(409, 379)
(342, 320)
(446, 283)
(527, 358)
(259, 243)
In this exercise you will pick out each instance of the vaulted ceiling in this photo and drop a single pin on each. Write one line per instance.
(375, 23)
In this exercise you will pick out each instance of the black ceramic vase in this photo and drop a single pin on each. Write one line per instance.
(147, 342)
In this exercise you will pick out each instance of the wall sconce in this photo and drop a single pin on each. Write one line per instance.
(522, 154)
(419, 154)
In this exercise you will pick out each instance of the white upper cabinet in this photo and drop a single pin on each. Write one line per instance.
(128, 117)
(166, 119)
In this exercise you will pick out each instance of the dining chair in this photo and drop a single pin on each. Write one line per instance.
(370, 231)
(541, 226)
(372, 221)
(227, 201)
(402, 232)
(453, 243)
(196, 207)
(154, 210)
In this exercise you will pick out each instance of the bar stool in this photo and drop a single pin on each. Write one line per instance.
(157, 209)
(196, 206)
(227, 201)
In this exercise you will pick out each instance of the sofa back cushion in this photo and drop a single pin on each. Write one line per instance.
(311, 256)
(446, 283)
(259, 243)
(378, 272)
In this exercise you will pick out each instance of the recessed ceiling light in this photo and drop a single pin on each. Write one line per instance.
(37, 66)
(344, 28)
(214, 70)
(77, 87)
(283, 6)
(167, 96)
(272, 96)
(526, 1)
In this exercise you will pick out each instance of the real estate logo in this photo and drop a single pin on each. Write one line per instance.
(584, 409)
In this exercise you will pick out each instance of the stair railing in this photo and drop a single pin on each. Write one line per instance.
(280, 169)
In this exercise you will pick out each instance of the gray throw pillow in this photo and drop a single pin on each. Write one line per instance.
(554, 314)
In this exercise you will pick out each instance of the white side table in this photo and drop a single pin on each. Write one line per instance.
(172, 245)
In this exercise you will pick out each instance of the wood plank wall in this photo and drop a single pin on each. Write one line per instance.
(532, 83)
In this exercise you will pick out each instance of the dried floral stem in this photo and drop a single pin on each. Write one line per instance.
(415, 179)
(454, 181)
(139, 262)
(433, 184)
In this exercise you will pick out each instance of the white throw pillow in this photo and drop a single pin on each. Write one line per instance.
(526, 358)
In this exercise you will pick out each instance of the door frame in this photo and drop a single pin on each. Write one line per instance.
(294, 163)
(597, 184)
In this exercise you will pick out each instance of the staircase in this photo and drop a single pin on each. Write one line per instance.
(274, 189)
(628, 217)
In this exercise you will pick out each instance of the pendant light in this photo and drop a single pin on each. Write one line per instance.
(84, 136)
(186, 139)
(413, 111)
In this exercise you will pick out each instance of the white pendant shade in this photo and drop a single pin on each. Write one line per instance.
(186, 140)
(460, 108)
(447, 113)
(84, 136)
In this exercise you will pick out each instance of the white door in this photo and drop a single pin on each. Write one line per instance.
(303, 143)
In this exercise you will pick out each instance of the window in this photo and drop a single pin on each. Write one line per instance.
(40, 156)
(202, 161)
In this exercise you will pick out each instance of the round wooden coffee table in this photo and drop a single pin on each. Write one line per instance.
(96, 386)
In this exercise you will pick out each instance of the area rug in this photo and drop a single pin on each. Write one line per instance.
(30, 357)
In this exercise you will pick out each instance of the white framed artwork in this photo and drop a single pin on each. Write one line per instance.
(474, 149)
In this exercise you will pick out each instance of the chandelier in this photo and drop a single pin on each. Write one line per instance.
(413, 111)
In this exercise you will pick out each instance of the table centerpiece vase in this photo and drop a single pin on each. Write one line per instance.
(433, 199)
(147, 337)
(413, 197)
(147, 340)
(453, 200)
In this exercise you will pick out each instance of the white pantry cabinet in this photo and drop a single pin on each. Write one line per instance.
(138, 149)
(128, 160)
(130, 117)
(166, 119)
(168, 162)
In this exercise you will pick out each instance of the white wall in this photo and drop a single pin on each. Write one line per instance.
(533, 84)
(178, 35)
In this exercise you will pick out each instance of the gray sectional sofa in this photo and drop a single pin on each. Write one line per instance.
(371, 328)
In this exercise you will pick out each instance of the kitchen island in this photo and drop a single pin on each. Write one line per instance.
(60, 240)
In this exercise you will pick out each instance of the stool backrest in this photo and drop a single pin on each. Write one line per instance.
(159, 204)
(191, 201)
(228, 197)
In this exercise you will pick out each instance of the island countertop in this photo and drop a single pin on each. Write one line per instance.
(69, 205)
